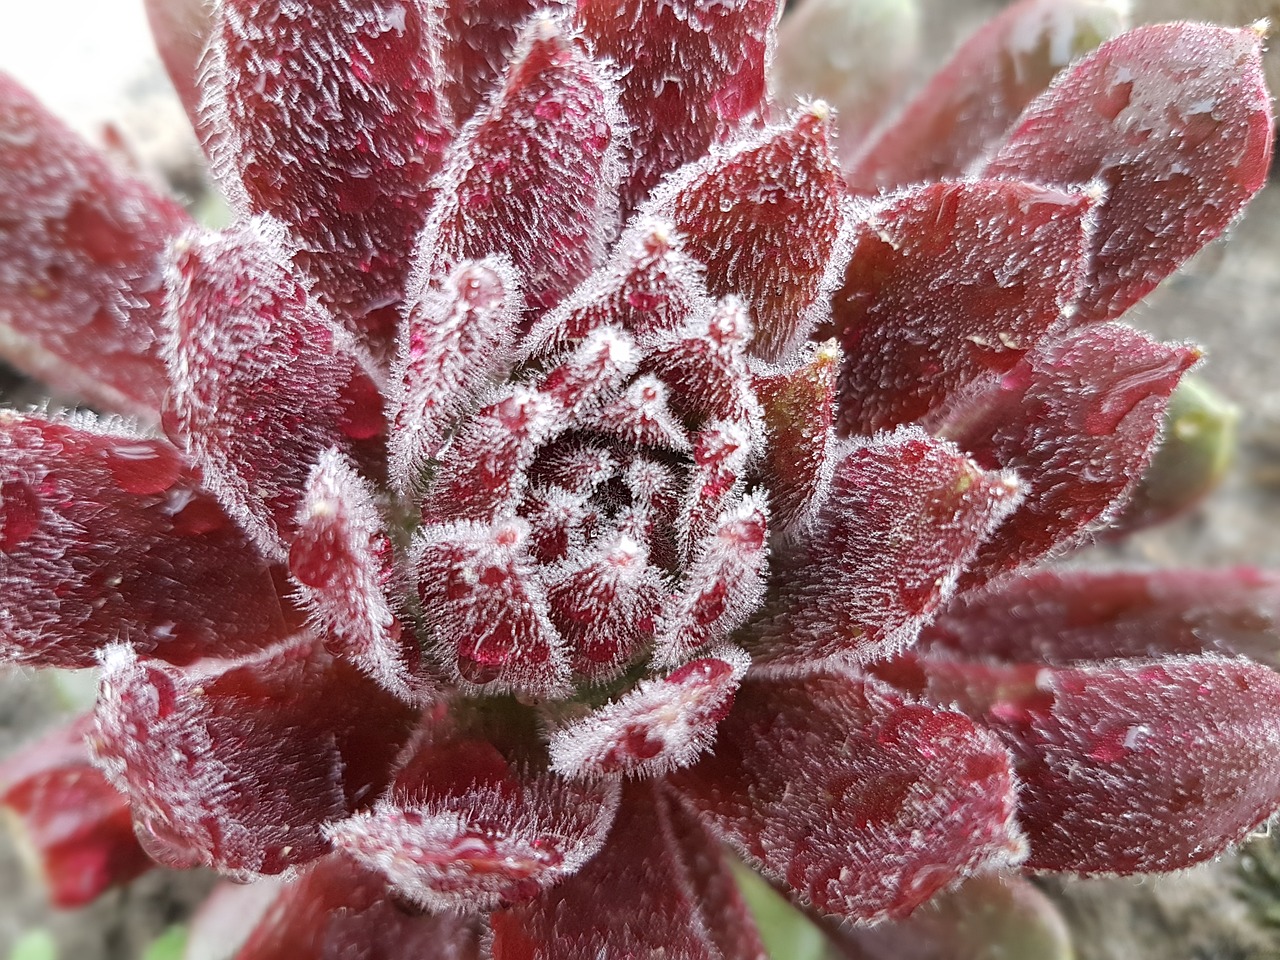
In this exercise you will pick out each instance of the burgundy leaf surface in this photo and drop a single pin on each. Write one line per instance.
(534, 175)
(1076, 419)
(693, 75)
(74, 825)
(336, 909)
(1174, 123)
(905, 516)
(862, 804)
(263, 382)
(354, 193)
(768, 219)
(236, 767)
(81, 273)
(1130, 766)
(155, 535)
(670, 895)
(1059, 616)
(966, 109)
(948, 282)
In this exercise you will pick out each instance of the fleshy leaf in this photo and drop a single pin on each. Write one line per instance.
(604, 603)
(693, 74)
(722, 588)
(1077, 419)
(905, 516)
(800, 448)
(1059, 616)
(648, 286)
(74, 825)
(534, 175)
(486, 607)
(1130, 766)
(336, 909)
(961, 115)
(478, 39)
(670, 895)
(343, 562)
(455, 340)
(655, 727)
(352, 193)
(489, 846)
(769, 221)
(236, 767)
(165, 570)
(948, 282)
(864, 805)
(81, 272)
(263, 382)
(1174, 121)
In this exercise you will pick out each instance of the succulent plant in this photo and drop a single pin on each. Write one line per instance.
(570, 472)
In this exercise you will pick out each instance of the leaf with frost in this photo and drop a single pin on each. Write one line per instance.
(263, 381)
(861, 803)
(81, 263)
(1175, 122)
(905, 517)
(237, 766)
(352, 194)
(1128, 766)
(489, 846)
(671, 896)
(534, 175)
(156, 533)
(769, 220)
(657, 726)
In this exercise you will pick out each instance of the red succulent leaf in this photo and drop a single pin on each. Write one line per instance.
(1174, 121)
(263, 382)
(693, 75)
(487, 608)
(236, 767)
(905, 516)
(657, 726)
(491, 845)
(722, 587)
(336, 909)
(1077, 418)
(534, 175)
(75, 826)
(181, 30)
(344, 564)
(353, 194)
(648, 287)
(642, 417)
(155, 535)
(670, 894)
(768, 219)
(705, 365)
(604, 602)
(721, 453)
(1060, 616)
(961, 115)
(456, 339)
(862, 804)
(1130, 766)
(477, 42)
(800, 444)
(948, 282)
(81, 273)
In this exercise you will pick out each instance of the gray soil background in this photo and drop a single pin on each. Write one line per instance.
(1226, 299)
